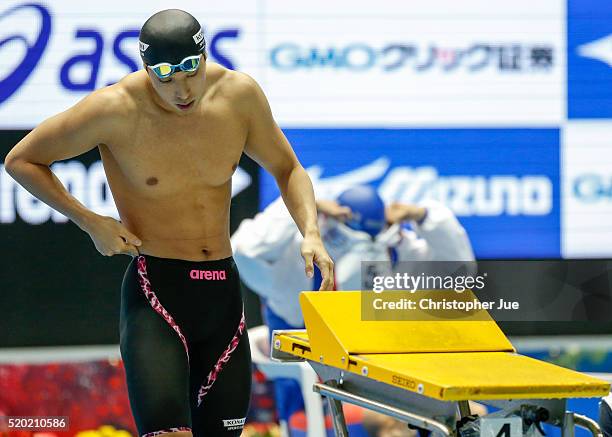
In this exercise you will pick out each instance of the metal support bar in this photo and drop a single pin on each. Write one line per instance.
(464, 408)
(337, 413)
(404, 416)
(588, 423)
(567, 429)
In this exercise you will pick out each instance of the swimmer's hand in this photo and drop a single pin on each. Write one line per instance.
(111, 237)
(313, 251)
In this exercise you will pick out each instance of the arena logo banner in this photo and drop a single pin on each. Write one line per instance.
(62, 53)
(503, 184)
(589, 58)
(587, 189)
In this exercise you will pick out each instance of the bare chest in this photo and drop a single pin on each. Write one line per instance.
(160, 158)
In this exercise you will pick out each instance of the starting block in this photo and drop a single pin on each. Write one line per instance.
(424, 372)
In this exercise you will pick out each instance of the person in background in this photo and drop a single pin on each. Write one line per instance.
(356, 226)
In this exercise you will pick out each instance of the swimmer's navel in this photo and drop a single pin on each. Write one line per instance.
(152, 181)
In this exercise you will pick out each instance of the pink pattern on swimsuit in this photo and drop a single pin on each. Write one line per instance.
(164, 431)
(145, 285)
(223, 359)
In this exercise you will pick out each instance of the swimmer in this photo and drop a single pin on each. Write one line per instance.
(170, 137)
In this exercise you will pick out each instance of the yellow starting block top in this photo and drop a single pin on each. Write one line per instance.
(450, 360)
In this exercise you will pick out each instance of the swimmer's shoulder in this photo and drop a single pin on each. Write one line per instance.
(132, 91)
(239, 87)
(116, 101)
(111, 109)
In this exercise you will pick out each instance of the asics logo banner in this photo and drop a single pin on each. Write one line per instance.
(34, 51)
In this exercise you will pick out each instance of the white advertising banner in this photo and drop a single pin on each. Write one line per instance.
(441, 62)
(321, 63)
(586, 174)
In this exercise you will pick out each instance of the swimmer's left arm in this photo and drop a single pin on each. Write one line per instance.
(269, 147)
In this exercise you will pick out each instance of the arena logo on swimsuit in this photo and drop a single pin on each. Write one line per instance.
(208, 275)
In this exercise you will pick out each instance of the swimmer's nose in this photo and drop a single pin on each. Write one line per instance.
(182, 92)
(183, 96)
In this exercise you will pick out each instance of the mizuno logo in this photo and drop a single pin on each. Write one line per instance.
(465, 195)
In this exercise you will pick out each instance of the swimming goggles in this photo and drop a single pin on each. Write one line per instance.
(164, 70)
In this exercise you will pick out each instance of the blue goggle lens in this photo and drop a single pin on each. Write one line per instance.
(164, 71)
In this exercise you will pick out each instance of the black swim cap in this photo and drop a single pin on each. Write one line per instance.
(170, 36)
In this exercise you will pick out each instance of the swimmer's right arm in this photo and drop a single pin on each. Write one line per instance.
(73, 132)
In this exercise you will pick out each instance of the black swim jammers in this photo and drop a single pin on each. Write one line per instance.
(185, 347)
